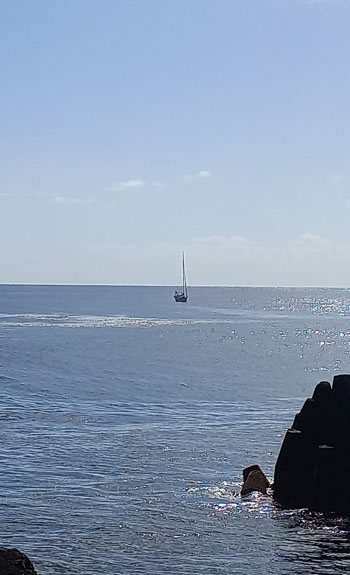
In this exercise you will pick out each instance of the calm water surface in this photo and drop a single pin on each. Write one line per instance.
(126, 421)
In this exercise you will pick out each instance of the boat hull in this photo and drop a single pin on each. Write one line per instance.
(180, 298)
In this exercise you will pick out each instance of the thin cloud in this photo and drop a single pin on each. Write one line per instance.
(130, 184)
(201, 175)
(134, 184)
(313, 243)
(68, 200)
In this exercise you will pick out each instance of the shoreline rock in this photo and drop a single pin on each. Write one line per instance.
(313, 466)
(254, 479)
(14, 562)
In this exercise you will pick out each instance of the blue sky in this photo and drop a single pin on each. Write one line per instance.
(134, 129)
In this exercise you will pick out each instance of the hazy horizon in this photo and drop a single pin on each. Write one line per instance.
(190, 286)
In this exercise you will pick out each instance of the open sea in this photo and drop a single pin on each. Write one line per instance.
(127, 419)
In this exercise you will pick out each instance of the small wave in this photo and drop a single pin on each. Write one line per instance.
(11, 417)
(225, 498)
(33, 315)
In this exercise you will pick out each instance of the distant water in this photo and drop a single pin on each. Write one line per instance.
(126, 420)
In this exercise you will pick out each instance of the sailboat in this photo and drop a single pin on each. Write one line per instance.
(182, 296)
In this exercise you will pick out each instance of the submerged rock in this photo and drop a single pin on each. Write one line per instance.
(313, 465)
(14, 562)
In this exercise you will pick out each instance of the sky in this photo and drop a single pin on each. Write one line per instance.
(134, 129)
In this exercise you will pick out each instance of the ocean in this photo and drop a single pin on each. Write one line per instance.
(127, 419)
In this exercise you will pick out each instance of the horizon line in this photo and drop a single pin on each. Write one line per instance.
(246, 286)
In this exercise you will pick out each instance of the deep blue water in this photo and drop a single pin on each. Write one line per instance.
(126, 420)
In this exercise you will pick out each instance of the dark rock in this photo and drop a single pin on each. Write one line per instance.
(247, 470)
(341, 408)
(314, 419)
(322, 393)
(307, 419)
(293, 470)
(324, 495)
(254, 480)
(313, 466)
(341, 386)
(14, 562)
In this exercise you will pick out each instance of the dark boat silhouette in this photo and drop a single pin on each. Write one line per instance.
(182, 296)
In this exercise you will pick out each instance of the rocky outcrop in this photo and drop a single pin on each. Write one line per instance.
(313, 466)
(14, 562)
(254, 480)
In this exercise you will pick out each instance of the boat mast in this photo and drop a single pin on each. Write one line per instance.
(184, 281)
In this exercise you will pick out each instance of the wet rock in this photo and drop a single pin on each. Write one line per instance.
(14, 562)
(322, 393)
(313, 466)
(325, 493)
(247, 470)
(254, 479)
(293, 470)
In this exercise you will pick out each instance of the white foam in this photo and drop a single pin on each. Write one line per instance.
(91, 321)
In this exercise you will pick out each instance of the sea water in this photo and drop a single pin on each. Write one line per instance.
(127, 418)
